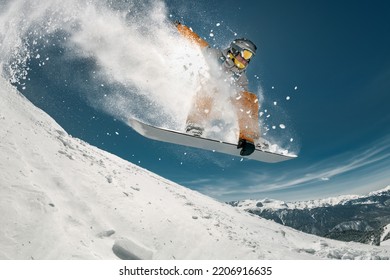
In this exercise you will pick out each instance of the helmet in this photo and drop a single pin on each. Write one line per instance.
(241, 51)
(243, 44)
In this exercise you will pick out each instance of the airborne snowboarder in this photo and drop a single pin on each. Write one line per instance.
(233, 62)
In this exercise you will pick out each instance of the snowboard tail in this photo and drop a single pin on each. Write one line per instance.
(181, 138)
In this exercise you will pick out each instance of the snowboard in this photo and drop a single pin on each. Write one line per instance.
(184, 139)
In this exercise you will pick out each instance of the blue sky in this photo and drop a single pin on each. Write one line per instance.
(330, 57)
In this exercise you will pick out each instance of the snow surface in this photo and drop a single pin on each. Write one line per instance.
(385, 234)
(61, 198)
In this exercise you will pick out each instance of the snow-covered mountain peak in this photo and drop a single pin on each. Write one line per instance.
(61, 198)
(380, 192)
(272, 204)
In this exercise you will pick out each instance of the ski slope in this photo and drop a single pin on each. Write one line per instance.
(61, 198)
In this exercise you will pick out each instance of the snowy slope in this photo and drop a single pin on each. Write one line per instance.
(61, 198)
(386, 234)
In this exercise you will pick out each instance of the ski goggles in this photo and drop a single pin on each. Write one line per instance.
(241, 59)
(246, 54)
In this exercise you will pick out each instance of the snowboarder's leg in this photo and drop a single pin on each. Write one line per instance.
(247, 108)
(199, 114)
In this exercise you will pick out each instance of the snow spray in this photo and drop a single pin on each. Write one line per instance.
(123, 57)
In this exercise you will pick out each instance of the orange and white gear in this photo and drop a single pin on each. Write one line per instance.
(234, 61)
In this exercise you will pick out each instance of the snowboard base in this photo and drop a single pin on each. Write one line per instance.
(184, 139)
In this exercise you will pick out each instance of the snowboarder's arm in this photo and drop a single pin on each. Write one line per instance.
(191, 35)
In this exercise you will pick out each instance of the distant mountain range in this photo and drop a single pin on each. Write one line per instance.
(364, 219)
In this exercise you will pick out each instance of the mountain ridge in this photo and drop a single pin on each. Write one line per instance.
(349, 218)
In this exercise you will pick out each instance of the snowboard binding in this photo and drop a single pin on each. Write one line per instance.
(246, 147)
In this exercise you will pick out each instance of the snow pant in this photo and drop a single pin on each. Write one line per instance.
(246, 107)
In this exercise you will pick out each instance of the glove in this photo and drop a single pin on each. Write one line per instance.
(246, 147)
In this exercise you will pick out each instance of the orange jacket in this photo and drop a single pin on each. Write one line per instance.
(247, 106)
(191, 35)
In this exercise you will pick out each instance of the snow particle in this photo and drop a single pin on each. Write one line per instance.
(218, 24)
(295, 88)
(288, 98)
(282, 126)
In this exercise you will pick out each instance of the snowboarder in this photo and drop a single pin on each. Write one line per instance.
(233, 61)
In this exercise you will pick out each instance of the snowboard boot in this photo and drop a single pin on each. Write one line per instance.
(194, 129)
(247, 147)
